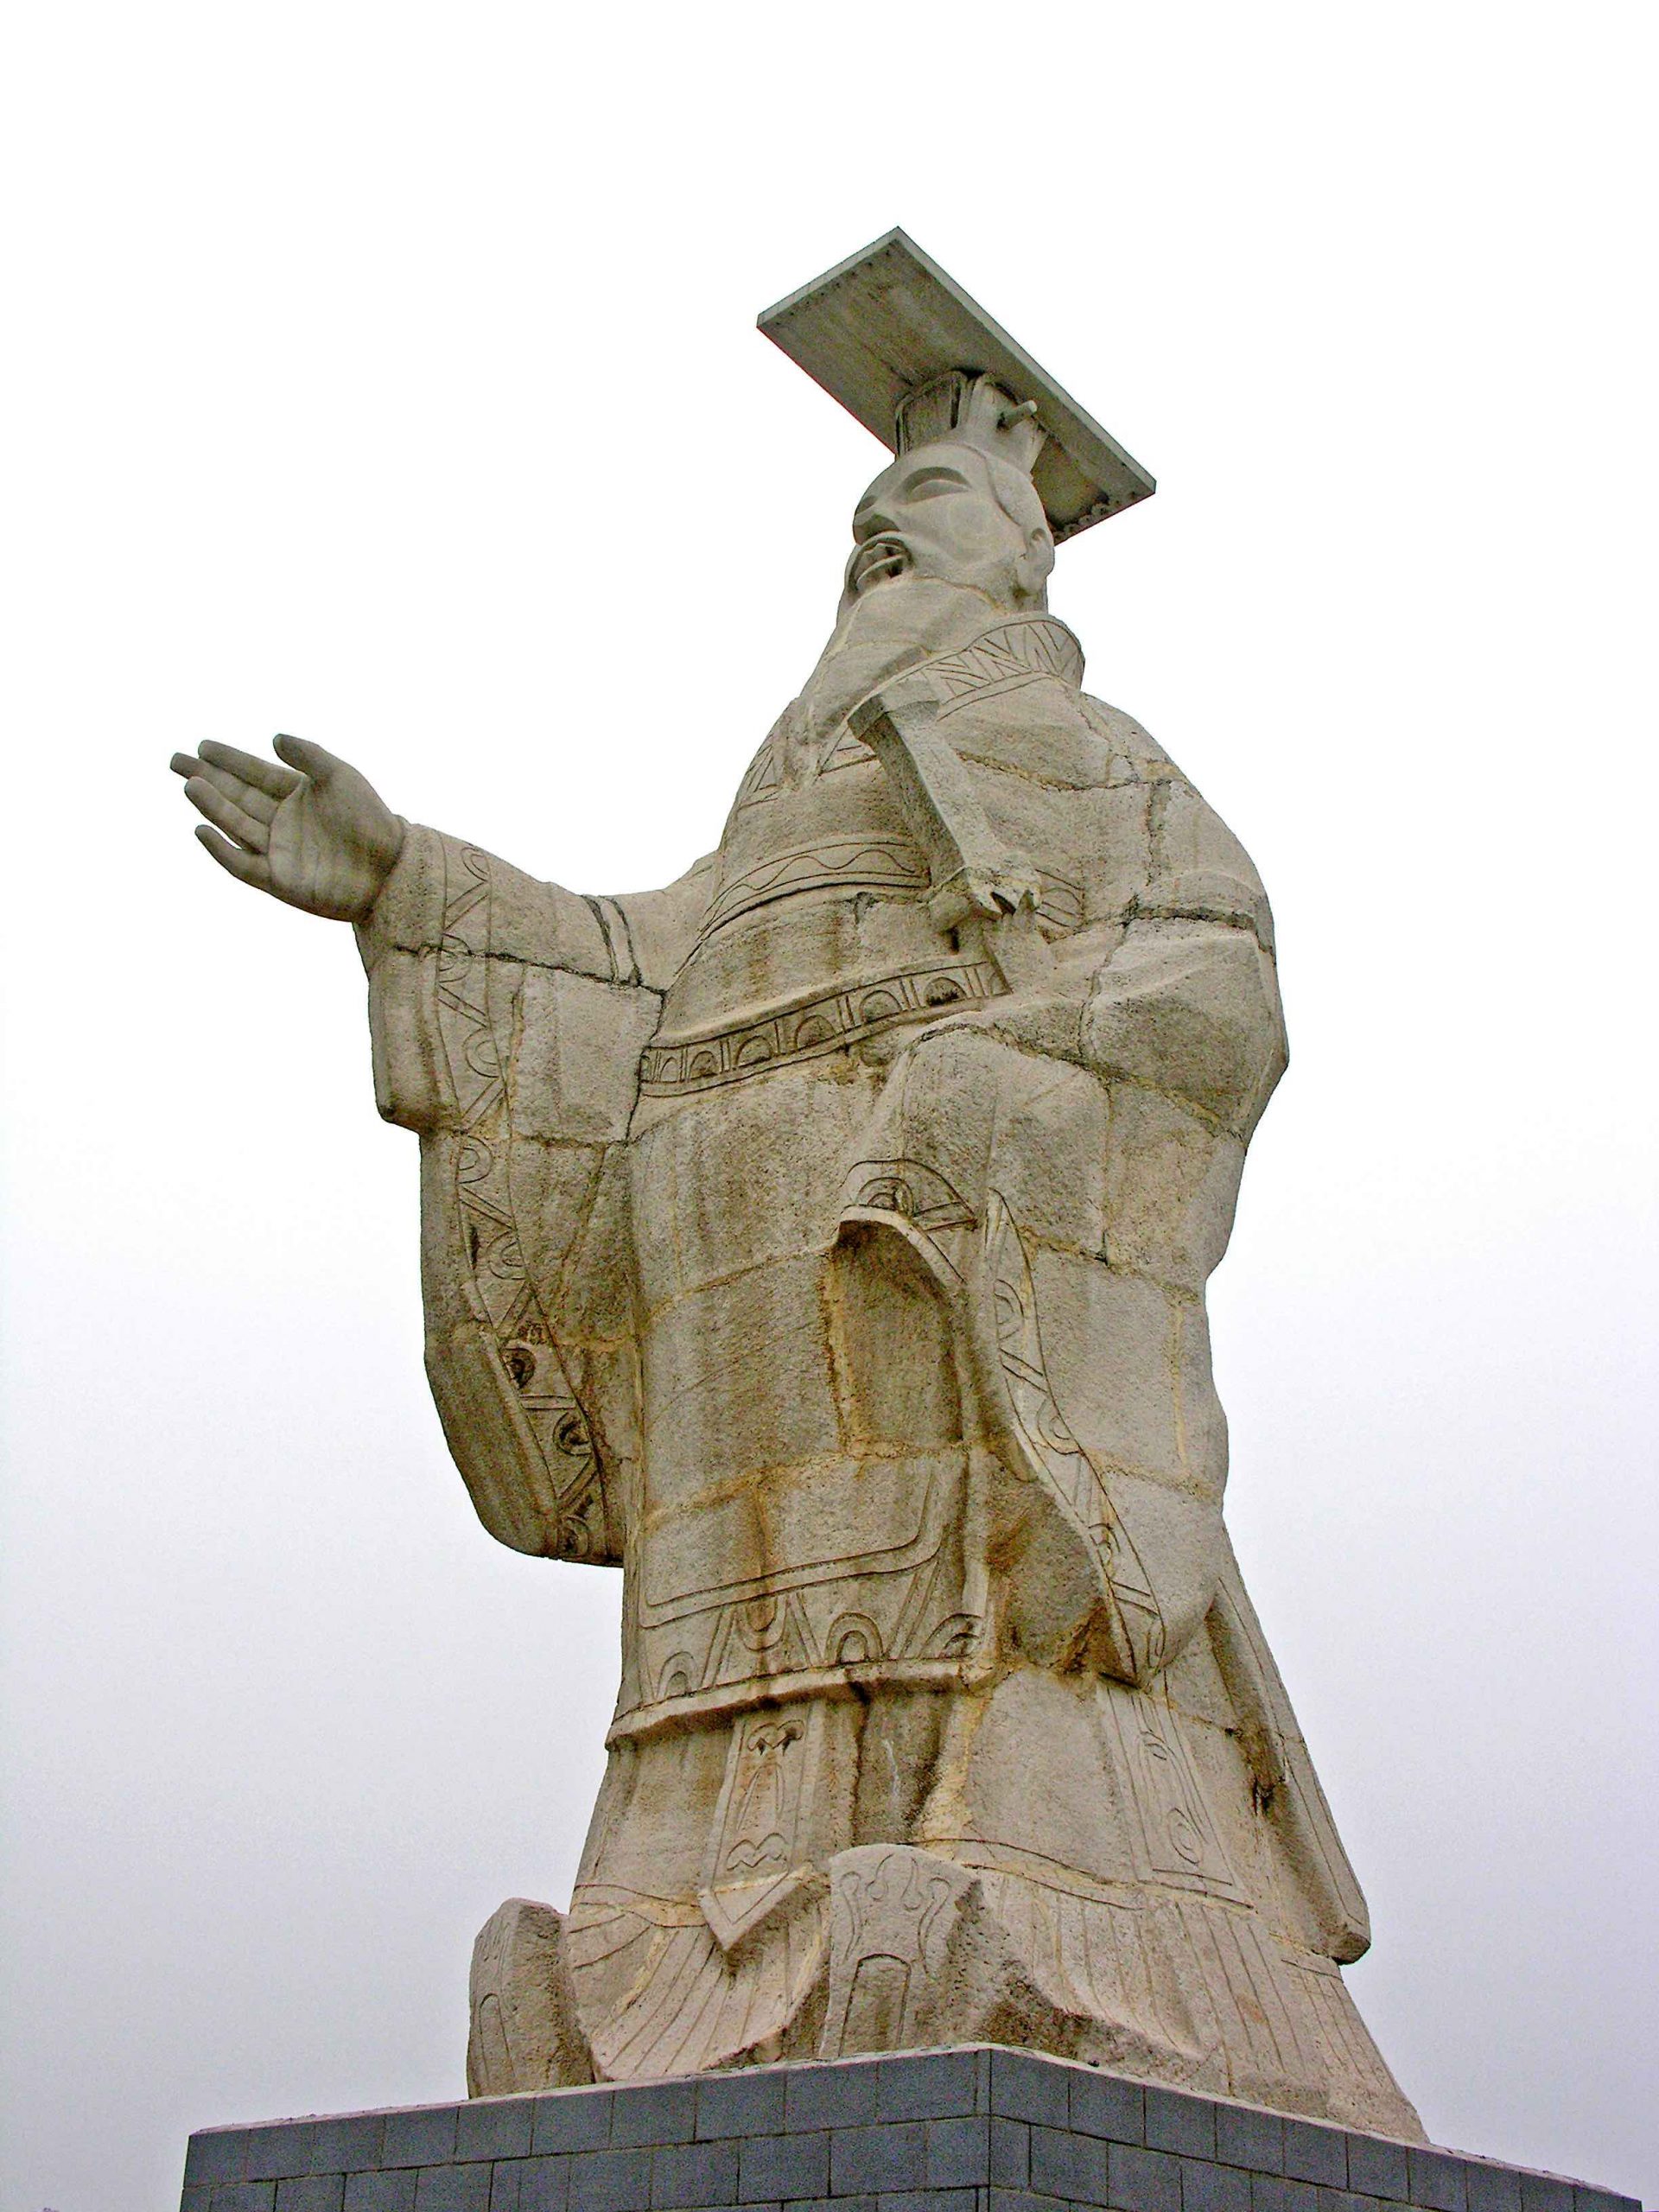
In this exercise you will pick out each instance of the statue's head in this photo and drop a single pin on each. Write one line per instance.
(957, 507)
(949, 537)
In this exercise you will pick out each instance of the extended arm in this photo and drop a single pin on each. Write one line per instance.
(507, 1017)
(434, 916)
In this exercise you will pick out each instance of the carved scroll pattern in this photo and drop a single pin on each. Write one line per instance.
(476, 1002)
(912, 1196)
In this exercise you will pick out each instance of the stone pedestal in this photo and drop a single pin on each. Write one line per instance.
(985, 2130)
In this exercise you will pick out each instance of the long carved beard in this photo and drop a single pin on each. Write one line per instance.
(890, 627)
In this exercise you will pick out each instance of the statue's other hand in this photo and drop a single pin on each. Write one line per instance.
(313, 833)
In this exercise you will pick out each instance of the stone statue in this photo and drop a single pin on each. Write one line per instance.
(822, 1240)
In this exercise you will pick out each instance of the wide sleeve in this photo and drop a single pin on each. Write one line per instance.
(446, 907)
(508, 1018)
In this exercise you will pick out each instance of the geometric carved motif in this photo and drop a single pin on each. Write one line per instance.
(873, 1618)
(1004, 659)
(893, 1911)
(475, 1008)
(779, 1777)
(844, 751)
(1175, 1844)
(909, 1188)
(823, 1024)
(891, 864)
(1051, 1452)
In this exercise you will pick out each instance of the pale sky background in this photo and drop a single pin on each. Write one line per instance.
(388, 375)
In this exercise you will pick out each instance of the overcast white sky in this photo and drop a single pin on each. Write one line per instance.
(388, 375)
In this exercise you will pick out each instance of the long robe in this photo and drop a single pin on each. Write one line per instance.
(841, 1279)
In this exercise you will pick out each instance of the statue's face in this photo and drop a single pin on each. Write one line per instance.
(936, 556)
(934, 514)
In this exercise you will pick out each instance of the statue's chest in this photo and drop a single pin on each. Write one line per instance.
(837, 831)
(817, 933)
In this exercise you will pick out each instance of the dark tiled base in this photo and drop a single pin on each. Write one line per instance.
(939, 2131)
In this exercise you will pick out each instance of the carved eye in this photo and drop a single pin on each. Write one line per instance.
(928, 483)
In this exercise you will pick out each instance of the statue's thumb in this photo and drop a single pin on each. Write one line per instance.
(310, 759)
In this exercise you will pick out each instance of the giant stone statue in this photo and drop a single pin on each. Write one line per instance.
(823, 1241)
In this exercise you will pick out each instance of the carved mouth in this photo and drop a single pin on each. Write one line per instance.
(877, 561)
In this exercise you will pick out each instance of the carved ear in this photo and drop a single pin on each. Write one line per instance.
(1036, 562)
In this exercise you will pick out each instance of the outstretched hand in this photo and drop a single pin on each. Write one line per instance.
(313, 833)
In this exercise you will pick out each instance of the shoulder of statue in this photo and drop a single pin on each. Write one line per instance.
(1132, 744)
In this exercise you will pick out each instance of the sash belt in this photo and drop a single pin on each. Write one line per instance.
(822, 1025)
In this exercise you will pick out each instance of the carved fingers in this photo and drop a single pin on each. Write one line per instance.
(245, 866)
(311, 760)
(265, 775)
(233, 808)
(238, 794)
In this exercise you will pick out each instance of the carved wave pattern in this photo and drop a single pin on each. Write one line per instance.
(861, 863)
(822, 1025)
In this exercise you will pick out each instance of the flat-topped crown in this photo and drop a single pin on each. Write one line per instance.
(968, 410)
(905, 349)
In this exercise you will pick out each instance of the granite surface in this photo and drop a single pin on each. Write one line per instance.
(978, 2130)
